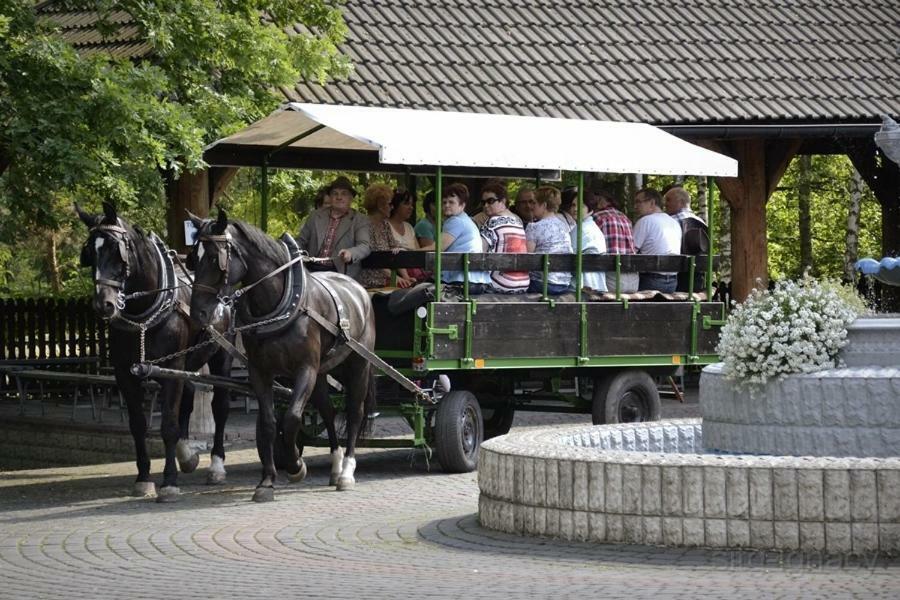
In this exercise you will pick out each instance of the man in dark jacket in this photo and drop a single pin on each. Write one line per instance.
(337, 231)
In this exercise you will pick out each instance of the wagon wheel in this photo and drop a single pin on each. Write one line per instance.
(498, 420)
(458, 431)
(626, 397)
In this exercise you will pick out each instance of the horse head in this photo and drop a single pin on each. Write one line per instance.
(217, 264)
(107, 251)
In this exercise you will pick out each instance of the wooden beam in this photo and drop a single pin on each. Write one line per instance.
(219, 179)
(779, 154)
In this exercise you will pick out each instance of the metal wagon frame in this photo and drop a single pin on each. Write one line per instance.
(460, 338)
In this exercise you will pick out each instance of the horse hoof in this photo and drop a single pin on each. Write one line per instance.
(215, 478)
(345, 484)
(189, 466)
(299, 475)
(334, 479)
(264, 494)
(168, 494)
(143, 489)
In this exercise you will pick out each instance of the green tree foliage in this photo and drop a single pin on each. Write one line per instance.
(830, 180)
(87, 127)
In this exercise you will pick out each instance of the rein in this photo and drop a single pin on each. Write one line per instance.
(172, 255)
(224, 264)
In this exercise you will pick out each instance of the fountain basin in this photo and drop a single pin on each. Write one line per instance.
(651, 483)
(837, 412)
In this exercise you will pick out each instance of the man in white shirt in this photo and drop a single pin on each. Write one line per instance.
(655, 232)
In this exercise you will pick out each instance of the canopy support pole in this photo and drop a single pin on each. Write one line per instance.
(710, 228)
(579, 241)
(438, 225)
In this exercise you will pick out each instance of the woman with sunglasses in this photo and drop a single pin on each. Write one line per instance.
(502, 232)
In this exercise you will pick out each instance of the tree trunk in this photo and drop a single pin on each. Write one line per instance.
(806, 258)
(702, 203)
(55, 279)
(724, 247)
(851, 251)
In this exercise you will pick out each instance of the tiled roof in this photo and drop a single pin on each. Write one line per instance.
(657, 61)
(79, 28)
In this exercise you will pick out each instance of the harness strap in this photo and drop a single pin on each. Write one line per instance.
(240, 292)
(111, 283)
(369, 356)
(227, 345)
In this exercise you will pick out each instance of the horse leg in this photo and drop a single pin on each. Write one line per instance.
(219, 364)
(265, 434)
(357, 394)
(304, 384)
(133, 393)
(169, 430)
(322, 402)
(323, 405)
(188, 459)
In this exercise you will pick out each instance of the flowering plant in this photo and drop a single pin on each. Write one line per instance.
(798, 327)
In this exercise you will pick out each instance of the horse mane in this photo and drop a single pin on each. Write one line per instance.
(260, 239)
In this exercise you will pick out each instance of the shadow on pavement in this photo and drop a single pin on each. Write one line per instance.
(87, 490)
(464, 533)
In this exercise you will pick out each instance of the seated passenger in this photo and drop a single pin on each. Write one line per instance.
(377, 202)
(524, 205)
(404, 234)
(616, 229)
(401, 211)
(425, 227)
(592, 240)
(548, 234)
(503, 232)
(655, 232)
(694, 234)
(459, 234)
(337, 232)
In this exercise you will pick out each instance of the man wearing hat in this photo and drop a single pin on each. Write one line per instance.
(338, 232)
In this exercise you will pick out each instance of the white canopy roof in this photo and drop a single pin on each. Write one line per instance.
(385, 139)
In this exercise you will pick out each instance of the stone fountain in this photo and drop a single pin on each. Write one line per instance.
(811, 463)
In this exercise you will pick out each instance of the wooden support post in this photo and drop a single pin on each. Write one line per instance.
(194, 191)
(762, 164)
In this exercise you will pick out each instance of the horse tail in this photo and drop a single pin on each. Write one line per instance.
(367, 427)
(371, 403)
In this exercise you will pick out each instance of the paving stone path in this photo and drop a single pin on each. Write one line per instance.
(404, 532)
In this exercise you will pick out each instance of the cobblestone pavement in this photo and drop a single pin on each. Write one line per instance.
(405, 531)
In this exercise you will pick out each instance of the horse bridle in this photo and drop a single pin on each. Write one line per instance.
(222, 243)
(120, 236)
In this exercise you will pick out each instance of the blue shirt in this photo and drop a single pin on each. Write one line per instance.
(465, 239)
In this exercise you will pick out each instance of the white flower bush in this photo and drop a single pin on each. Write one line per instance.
(798, 327)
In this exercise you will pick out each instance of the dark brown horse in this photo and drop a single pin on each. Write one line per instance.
(280, 317)
(127, 262)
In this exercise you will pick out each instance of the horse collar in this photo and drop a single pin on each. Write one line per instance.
(164, 302)
(292, 299)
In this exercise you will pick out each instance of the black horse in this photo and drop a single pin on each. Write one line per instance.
(126, 262)
(281, 319)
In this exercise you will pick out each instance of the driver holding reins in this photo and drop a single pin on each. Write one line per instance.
(337, 232)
